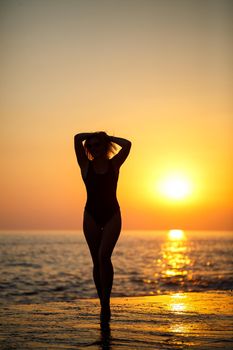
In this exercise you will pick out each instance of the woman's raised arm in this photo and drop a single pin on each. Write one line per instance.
(79, 149)
(121, 156)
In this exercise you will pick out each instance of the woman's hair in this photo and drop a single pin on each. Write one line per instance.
(104, 139)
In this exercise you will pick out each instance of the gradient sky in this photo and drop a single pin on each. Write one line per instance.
(158, 72)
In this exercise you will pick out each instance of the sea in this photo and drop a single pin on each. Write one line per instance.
(45, 266)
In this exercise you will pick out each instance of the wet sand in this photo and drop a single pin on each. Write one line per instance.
(177, 321)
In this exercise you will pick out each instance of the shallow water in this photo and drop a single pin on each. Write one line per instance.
(37, 267)
(195, 321)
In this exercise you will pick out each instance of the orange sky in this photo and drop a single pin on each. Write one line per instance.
(156, 72)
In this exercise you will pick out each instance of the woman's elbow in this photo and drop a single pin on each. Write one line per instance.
(129, 144)
(78, 138)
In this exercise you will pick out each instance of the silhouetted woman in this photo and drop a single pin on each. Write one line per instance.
(102, 217)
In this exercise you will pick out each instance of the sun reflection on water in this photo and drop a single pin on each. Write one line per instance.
(175, 262)
(178, 302)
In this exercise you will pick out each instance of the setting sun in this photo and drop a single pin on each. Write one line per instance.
(175, 187)
(176, 235)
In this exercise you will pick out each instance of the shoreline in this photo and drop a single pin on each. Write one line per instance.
(193, 320)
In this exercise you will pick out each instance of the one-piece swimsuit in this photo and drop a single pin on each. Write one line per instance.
(101, 189)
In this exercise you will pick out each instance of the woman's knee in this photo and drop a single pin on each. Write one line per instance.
(104, 257)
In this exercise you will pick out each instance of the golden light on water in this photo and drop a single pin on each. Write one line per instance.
(177, 302)
(175, 260)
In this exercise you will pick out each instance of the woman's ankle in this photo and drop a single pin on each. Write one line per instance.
(105, 302)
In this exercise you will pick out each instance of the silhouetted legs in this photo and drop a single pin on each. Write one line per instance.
(101, 243)
(110, 236)
(93, 235)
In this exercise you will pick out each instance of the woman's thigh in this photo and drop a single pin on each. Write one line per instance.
(110, 235)
(93, 235)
